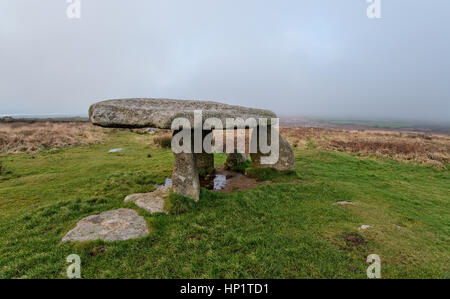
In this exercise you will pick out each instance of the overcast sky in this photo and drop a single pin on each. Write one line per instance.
(299, 57)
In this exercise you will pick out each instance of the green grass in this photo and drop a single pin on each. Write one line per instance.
(177, 204)
(291, 229)
(269, 174)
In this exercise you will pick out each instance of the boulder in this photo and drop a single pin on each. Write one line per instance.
(235, 159)
(185, 178)
(152, 202)
(286, 159)
(205, 163)
(116, 225)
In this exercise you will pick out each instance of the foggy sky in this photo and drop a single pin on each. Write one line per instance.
(299, 57)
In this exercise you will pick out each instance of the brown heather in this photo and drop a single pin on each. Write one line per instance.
(163, 141)
(20, 137)
(426, 149)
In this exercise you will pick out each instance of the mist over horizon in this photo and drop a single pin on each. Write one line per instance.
(319, 59)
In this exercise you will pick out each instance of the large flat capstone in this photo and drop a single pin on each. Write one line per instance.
(159, 113)
(116, 225)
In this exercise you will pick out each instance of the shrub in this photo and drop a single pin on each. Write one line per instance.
(242, 167)
(33, 137)
(205, 172)
(433, 150)
(163, 141)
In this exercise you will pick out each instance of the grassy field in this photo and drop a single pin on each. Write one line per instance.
(291, 229)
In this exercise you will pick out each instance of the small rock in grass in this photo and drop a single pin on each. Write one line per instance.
(116, 225)
(152, 202)
(364, 227)
(344, 203)
(115, 150)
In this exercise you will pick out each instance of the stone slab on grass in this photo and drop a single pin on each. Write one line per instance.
(116, 225)
(152, 202)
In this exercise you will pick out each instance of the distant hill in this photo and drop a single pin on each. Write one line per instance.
(343, 124)
(9, 119)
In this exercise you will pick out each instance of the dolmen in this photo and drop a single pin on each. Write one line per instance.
(192, 123)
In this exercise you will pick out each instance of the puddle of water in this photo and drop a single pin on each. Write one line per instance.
(217, 182)
(220, 181)
(167, 183)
